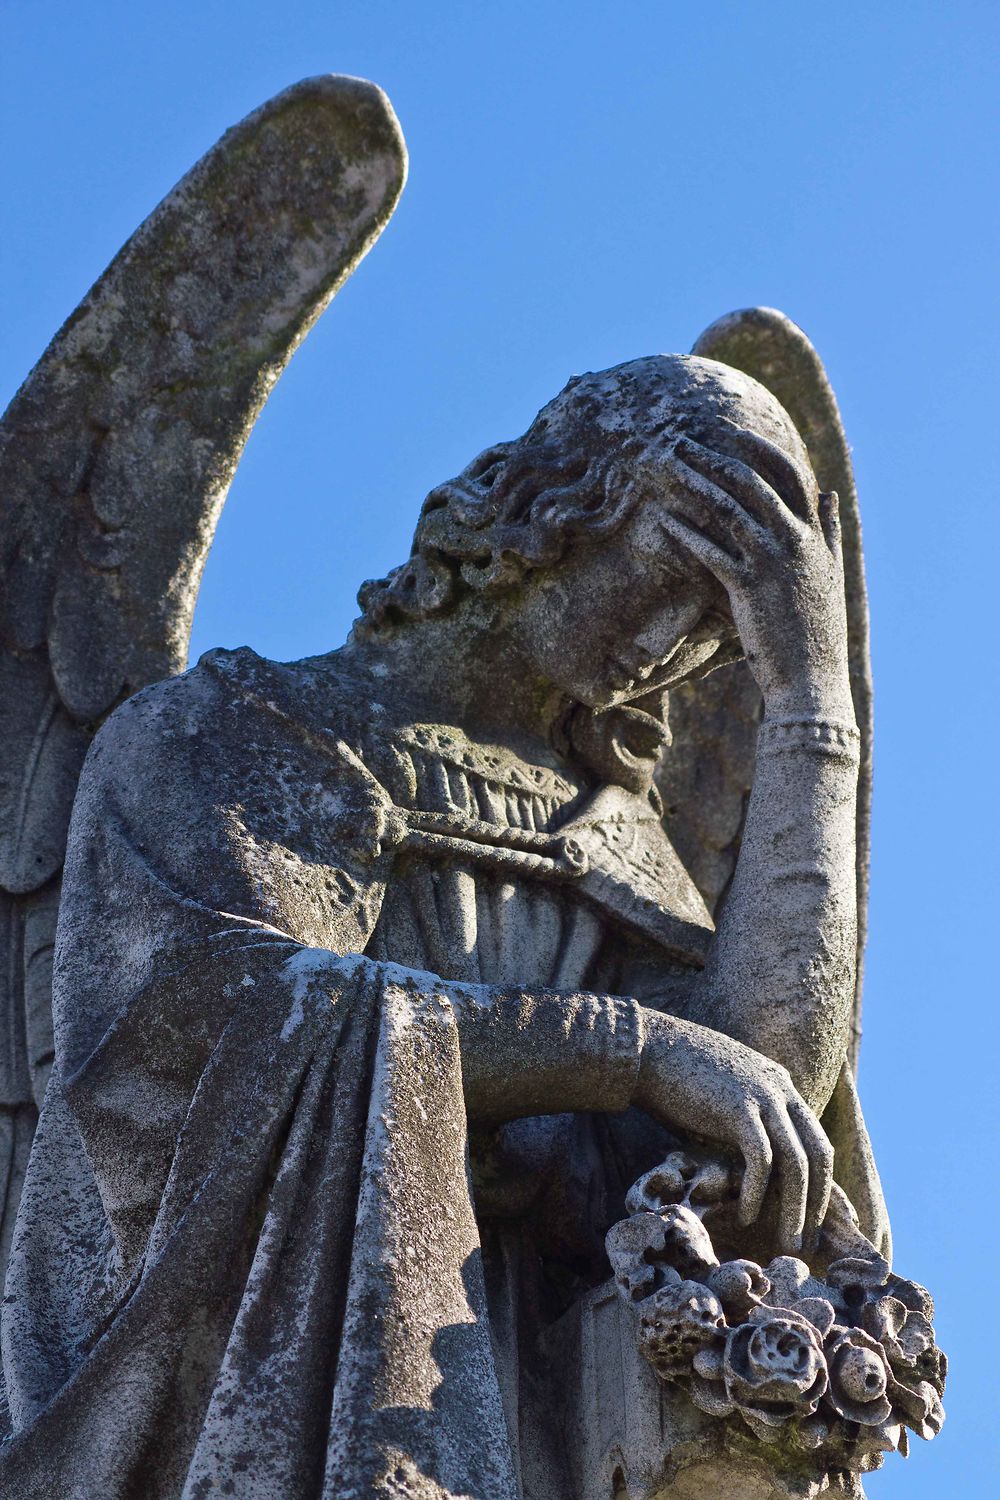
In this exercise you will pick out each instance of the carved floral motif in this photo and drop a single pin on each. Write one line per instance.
(839, 1364)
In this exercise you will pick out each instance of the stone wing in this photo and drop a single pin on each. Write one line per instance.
(115, 458)
(706, 775)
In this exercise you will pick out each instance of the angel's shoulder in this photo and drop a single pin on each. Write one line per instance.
(195, 705)
(235, 718)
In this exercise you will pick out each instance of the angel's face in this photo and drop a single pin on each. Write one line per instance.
(623, 616)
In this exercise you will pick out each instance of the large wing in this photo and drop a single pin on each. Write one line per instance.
(706, 778)
(115, 459)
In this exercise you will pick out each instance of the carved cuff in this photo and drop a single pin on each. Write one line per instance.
(823, 735)
(529, 1053)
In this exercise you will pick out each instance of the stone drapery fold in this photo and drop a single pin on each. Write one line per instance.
(326, 1132)
(247, 1257)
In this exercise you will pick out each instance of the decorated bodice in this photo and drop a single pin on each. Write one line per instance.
(464, 919)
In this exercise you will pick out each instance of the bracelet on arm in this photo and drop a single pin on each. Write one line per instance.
(827, 736)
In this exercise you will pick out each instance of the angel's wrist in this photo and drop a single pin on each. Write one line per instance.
(832, 734)
(825, 699)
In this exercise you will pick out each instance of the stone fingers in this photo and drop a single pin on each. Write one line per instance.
(820, 1154)
(737, 491)
(720, 560)
(796, 488)
(792, 1166)
(716, 503)
(757, 1161)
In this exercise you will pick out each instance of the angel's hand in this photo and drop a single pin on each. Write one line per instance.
(702, 1082)
(773, 541)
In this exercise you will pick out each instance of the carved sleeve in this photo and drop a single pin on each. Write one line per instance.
(533, 1053)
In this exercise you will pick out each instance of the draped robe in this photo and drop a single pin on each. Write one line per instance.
(258, 1253)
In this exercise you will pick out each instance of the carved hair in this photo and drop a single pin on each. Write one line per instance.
(573, 477)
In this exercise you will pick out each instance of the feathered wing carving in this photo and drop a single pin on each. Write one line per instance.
(706, 777)
(115, 458)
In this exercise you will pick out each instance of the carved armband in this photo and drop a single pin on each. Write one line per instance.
(825, 736)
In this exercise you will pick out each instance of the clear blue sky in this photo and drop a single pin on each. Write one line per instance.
(592, 182)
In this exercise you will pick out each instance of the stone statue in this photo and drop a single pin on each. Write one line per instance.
(441, 1076)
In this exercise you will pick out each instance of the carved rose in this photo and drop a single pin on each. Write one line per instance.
(682, 1179)
(792, 1281)
(774, 1368)
(635, 1249)
(912, 1295)
(687, 1244)
(859, 1376)
(908, 1340)
(836, 1367)
(650, 1250)
(740, 1285)
(675, 1323)
(920, 1407)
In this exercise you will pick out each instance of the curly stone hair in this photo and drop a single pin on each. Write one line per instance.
(575, 476)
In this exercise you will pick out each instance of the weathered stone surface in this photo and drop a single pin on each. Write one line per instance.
(389, 1000)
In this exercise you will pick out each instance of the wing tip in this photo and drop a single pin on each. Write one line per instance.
(755, 320)
(337, 102)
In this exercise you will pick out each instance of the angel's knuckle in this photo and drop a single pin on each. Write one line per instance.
(778, 1079)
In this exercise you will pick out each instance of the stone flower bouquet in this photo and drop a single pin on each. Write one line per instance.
(837, 1368)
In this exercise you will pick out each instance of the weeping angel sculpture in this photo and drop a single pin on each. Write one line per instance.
(381, 979)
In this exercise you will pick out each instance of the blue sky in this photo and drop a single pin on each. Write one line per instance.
(589, 183)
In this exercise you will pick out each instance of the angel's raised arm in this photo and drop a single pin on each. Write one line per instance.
(770, 793)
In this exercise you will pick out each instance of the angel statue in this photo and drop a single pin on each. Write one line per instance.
(346, 1000)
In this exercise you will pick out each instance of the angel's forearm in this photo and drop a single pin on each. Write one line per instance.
(782, 971)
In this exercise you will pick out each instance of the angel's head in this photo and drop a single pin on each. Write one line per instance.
(563, 524)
